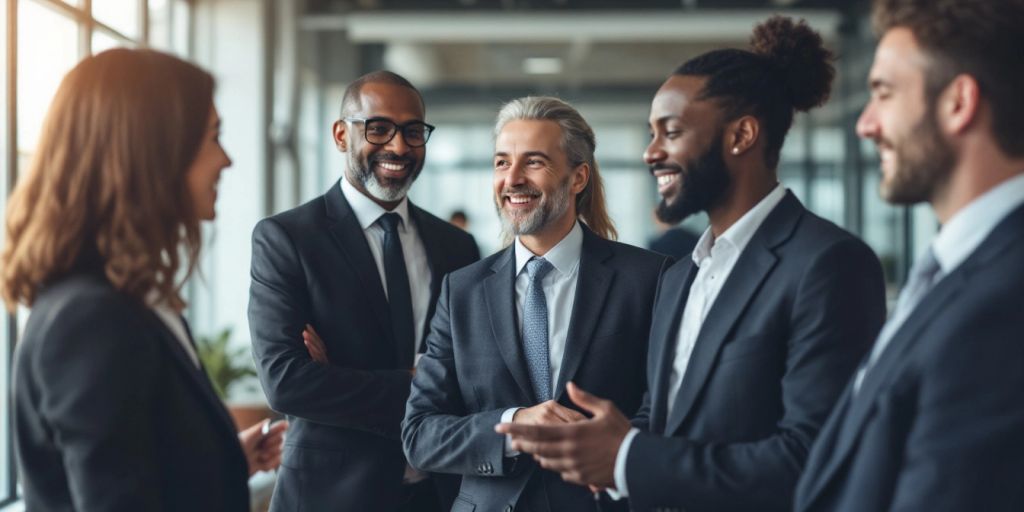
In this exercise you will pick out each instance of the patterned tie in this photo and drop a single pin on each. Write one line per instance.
(920, 282)
(535, 329)
(399, 296)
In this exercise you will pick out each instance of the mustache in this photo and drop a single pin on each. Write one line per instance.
(521, 189)
(664, 167)
(392, 157)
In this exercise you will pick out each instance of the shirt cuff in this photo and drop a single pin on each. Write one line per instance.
(620, 490)
(506, 417)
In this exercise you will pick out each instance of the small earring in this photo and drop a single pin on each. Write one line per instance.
(735, 151)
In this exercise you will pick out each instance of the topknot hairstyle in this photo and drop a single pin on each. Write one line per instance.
(787, 69)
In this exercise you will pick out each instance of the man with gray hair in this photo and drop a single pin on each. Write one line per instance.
(562, 303)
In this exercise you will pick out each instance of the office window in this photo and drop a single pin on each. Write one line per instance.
(49, 38)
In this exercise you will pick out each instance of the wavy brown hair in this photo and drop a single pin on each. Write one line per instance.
(578, 142)
(106, 189)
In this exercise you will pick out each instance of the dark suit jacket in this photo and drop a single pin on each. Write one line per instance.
(677, 242)
(112, 414)
(312, 264)
(938, 423)
(801, 306)
(474, 370)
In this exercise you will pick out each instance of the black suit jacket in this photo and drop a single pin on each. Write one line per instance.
(111, 414)
(312, 264)
(801, 306)
(938, 422)
(474, 370)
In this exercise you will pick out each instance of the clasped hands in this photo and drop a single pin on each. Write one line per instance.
(582, 450)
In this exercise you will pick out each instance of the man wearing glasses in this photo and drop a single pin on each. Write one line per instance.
(342, 290)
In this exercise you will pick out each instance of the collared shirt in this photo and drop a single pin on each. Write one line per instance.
(367, 213)
(715, 259)
(956, 241)
(176, 325)
(559, 293)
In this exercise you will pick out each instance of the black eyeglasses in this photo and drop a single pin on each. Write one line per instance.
(380, 130)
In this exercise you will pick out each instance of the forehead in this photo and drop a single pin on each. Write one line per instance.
(395, 102)
(678, 97)
(522, 136)
(899, 59)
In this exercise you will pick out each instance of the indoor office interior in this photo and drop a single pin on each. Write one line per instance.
(281, 67)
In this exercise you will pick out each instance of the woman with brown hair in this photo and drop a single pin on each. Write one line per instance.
(112, 408)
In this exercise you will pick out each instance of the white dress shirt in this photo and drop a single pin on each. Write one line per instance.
(559, 294)
(957, 239)
(715, 259)
(367, 213)
(176, 325)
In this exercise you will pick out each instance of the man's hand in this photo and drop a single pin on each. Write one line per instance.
(583, 452)
(262, 445)
(314, 345)
(547, 413)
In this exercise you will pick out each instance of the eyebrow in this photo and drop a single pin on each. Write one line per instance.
(528, 153)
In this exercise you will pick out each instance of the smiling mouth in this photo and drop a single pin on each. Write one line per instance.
(520, 200)
(666, 179)
(392, 169)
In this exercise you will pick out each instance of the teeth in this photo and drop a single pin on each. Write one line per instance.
(665, 179)
(391, 167)
(519, 199)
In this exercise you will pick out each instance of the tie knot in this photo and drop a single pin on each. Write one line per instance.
(390, 222)
(926, 267)
(537, 268)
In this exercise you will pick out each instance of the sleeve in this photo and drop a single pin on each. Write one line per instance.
(97, 372)
(438, 433)
(838, 309)
(279, 308)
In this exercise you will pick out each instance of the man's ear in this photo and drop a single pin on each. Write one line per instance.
(580, 178)
(958, 104)
(339, 131)
(742, 135)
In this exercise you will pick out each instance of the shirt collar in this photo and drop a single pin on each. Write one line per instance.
(564, 256)
(366, 211)
(739, 234)
(963, 233)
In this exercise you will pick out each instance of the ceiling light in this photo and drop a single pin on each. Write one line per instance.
(542, 65)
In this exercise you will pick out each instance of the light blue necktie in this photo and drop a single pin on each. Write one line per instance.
(922, 280)
(535, 329)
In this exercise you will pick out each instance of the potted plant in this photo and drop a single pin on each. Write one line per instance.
(227, 368)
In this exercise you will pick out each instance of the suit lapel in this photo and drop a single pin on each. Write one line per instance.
(351, 242)
(664, 334)
(592, 284)
(500, 295)
(196, 376)
(849, 425)
(753, 266)
(435, 260)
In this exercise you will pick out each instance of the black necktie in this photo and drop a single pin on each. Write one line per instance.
(399, 296)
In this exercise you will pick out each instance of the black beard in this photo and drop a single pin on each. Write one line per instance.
(704, 183)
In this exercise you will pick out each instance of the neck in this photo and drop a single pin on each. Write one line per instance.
(543, 241)
(975, 173)
(739, 199)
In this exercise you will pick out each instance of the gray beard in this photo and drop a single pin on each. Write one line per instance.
(551, 208)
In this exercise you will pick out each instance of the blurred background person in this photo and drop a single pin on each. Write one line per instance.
(113, 408)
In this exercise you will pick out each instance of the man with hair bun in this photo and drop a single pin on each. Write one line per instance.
(933, 419)
(755, 336)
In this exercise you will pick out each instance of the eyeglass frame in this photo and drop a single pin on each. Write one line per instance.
(398, 128)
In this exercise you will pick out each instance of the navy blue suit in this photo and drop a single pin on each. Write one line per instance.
(801, 306)
(474, 370)
(938, 422)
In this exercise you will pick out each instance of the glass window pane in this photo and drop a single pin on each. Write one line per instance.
(120, 15)
(159, 24)
(103, 41)
(43, 62)
(181, 17)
